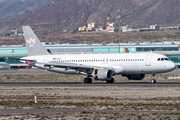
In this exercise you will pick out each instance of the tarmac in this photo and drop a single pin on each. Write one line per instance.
(143, 84)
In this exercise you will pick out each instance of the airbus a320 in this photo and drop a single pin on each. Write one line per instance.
(102, 67)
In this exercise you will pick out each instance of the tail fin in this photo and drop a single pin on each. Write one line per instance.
(126, 50)
(34, 46)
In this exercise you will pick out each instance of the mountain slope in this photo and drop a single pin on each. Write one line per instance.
(70, 14)
(13, 8)
(2, 0)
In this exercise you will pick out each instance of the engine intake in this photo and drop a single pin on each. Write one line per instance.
(102, 74)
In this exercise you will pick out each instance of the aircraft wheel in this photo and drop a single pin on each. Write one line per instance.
(110, 81)
(153, 81)
(90, 80)
(87, 80)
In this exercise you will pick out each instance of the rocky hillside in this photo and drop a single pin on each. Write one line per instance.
(2, 0)
(70, 14)
(12, 8)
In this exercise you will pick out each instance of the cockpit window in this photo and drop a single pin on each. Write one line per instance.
(166, 59)
(162, 59)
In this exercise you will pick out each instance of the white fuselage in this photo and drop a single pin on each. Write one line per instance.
(121, 63)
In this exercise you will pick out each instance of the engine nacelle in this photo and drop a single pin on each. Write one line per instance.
(135, 76)
(102, 74)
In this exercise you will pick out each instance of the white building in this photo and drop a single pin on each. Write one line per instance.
(154, 27)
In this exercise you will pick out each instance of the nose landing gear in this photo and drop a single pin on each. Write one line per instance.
(153, 80)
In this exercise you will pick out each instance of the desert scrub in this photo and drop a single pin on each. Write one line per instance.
(8, 77)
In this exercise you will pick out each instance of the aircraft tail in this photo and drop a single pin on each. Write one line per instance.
(126, 50)
(33, 44)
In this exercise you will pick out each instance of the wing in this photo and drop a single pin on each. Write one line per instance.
(73, 66)
(64, 65)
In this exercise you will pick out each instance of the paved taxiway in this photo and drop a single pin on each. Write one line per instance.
(25, 111)
(92, 84)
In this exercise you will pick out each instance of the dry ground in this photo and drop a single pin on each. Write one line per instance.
(84, 97)
(57, 36)
(92, 98)
(37, 75)
(92, 116)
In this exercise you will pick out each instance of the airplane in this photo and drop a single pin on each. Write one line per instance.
(5, 65)
(102, 67)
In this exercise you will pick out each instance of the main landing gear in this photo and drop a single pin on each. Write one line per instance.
(110, 81)
(87, 80)
(153, 80)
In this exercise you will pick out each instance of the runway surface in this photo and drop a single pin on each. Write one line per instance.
(24, 111)
(92, 84)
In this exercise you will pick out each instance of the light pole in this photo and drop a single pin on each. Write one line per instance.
(118, 19)
(85, 33)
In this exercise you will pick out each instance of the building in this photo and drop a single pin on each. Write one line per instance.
(82, 28)
(99, 28)
(17, 51)
(90, 27)
(125, 27)
(111, 27)
(154, 27)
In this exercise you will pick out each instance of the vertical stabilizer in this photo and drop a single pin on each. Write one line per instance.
(34, 46)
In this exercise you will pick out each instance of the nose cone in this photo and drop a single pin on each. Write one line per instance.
(171, 66)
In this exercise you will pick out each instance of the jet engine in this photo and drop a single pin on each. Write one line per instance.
(102, 74)
(135, 76)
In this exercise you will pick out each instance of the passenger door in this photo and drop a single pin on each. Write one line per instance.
(148, 60)
(46, 59)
